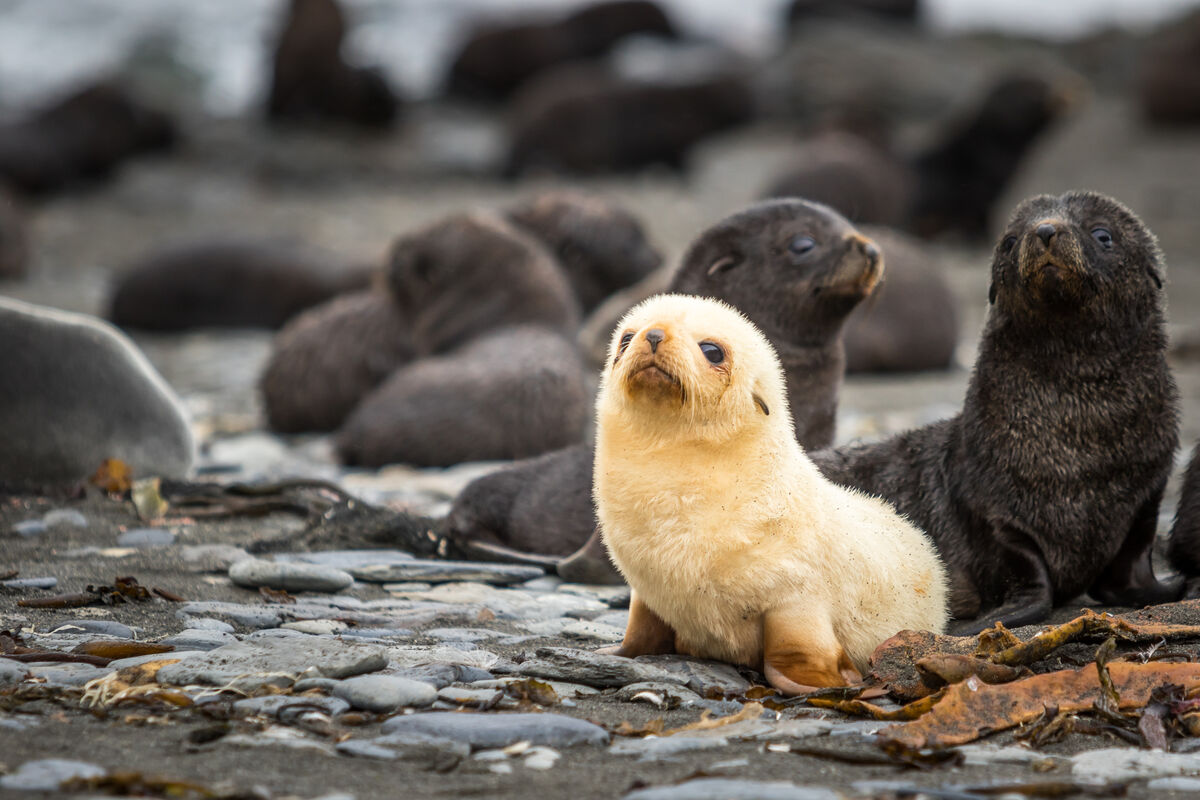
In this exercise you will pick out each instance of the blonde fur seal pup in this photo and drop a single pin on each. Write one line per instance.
(735, 546)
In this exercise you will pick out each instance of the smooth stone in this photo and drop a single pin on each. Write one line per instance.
(292, 577)
(208, 624)
(542, 583)
(97, 398)
(462, 634)
(700, 675)
(307, 684)
(254, 617)
(574, 629)
(136, 661)
(731, 789)
(316, 627)
(101, 626)
(383, 694)
(67, 673)
(65, 518)
(146, 537)
(603, 594)
(651, 748)
(500, 730)
(1119, 764)
(219, 557)
(541, 758)
(417, 655)
(48, 774)
(379, 633)
(359, 748)
(1180, 784)
(506, 604)
(12, 671)
(27, 529)
(441, 675)
(592, 669)
(330, 658)
(276, 633)
(422, 747)
(672, 694)
(429, 571)
(981, 754)
(476, 698)
(29, 583)
(198, 639)
(347, 559)
(271, 705)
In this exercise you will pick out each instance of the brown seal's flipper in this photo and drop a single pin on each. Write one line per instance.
(801, 653)
(590, 564)
(645, 635)
(1030, 594)
(1129, 578)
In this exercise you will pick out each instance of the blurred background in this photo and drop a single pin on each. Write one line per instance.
(127, 127)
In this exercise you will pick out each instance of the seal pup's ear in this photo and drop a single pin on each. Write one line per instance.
(992, 293)
(762, 404)
(1154, 276)
(723, 263)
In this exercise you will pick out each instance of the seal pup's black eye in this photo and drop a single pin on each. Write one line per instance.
(1008, 243)
(1103, 236)
(626, 338)
(712, 352)
(801, 245)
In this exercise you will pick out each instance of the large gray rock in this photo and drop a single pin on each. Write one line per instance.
(292, 577)
(592, 669)
(384, 694)
(75, 391)
(731, 789)
(446, 572)
(291, 656)
(499, 730)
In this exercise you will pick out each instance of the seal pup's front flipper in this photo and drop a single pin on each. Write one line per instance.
(646, 634)
(1129, 578)
(1029, 596)
(801, 653)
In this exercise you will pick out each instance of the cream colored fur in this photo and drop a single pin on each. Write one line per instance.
(714, 514)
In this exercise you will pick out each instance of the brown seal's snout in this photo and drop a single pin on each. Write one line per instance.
(1050, 257)
(861, 266)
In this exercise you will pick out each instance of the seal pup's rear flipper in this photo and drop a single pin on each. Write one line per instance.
(801, 653)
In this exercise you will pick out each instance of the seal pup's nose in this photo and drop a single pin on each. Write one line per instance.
(1046, 232)
(654, 336)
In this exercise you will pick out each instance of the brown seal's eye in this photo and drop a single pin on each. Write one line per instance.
(1008, 243)
(712, 352)
(802, 245)
(1103, 236)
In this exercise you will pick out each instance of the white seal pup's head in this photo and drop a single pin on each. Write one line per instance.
(693, 369)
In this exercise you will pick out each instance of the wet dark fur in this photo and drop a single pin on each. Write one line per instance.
(81, 137)
(599, 245)
(581, 120)
(545, 506)
(910, 322)
(311, 82)
(327, 359)
(496, 59)
(227, 283)
(513, 393)
(1047, 484)
(1184, 549)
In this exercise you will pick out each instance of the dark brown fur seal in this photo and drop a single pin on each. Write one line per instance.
(232, 283)
(910, 322)
(447, 283)
(328, 358)
(1048, 483)
(495, 59)
(512, 393)
(310, 81)
(577, 120)
(81, 137)
(1168, 81)
(796, 270)
(1184, 548)
(600, 246)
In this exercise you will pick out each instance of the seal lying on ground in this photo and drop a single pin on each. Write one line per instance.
(310, 81)
(233, 283)
(75, 392)
(796, 269)
(735, 546)
(513, 393)
(447, 283)
(1184, 549)
(1048, 483)
(600, 246)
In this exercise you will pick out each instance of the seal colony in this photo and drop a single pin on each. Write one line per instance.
(735, 546)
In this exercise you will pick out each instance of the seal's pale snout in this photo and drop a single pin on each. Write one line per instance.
(654, 337)
(861, 268)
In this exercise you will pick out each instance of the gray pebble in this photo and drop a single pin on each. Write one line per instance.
(214, 557)
(379, 633)
(462, 634)
(360, 748)
(500, 730)
(329, 657)
(541, 758)
(206, 624)
(12, 671)
(592, 669)
(271, 705)
(29, 583)
(543, 583)
(254, 617)
(316, 627)
(475, 698)
(307, 684)
(730, 789)
(146, 537)
(193, 639)
(67, 674)
(429, 571)
(48, 774)
(347, 559)
(292, 577)
(133, 661)
(276, 633)
(101, 626)
(442, 675)
(65, 518)
(384, 694)
(29, 528)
